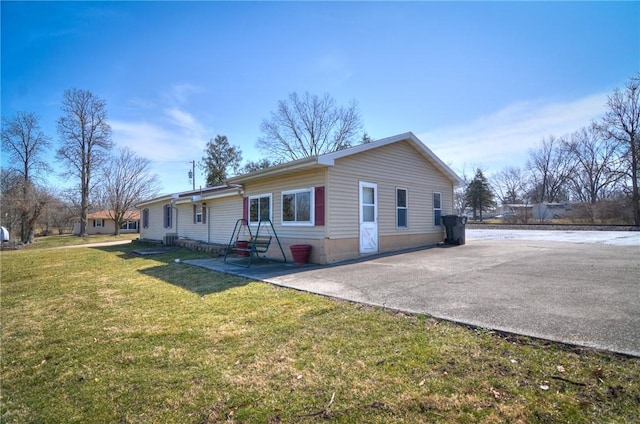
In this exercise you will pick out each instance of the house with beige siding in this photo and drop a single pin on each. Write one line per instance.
(376, 197)
(102, 222)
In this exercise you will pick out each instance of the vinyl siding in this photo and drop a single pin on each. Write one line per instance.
(393, 166)
(186, 226)
(223, 216)
(156, 230)
(275, 187)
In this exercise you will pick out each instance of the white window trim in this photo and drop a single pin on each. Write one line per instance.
(406, 208)
(99, 222)
(312, 217)
(199, 215)
(259, 196)
(436, 209)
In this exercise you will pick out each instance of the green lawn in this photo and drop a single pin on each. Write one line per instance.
(101, 335)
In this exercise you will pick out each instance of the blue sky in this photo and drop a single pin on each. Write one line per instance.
(479, 82)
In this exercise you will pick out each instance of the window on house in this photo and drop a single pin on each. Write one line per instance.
(98, 222)
(437, 209)
(259, 208)
(145, 218)
(168, 216)
(401, 208)
(129, 225)
(199, 214)
(297, 207)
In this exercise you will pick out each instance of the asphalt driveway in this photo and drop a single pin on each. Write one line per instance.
(582, 293)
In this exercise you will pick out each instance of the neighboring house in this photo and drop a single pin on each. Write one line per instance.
(101, 223)
(376, 197)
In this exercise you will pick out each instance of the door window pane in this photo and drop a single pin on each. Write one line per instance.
(368, 213)
(367, 196)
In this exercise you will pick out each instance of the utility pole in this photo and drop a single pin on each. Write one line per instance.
(192, 174)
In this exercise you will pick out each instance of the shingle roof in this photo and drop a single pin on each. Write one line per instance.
(105, 214)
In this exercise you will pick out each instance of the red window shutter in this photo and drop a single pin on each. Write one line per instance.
(245, 208)
(319, 206)
(204, 214)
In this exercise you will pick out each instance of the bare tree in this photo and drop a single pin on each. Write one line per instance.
(127, 180)
(459, 199)
(622, 123)
(85, 138)
(510, 185)
(308, 126)
(59, 215)
(550, 167)
(221, 160)
(25, 144)
(597, 165)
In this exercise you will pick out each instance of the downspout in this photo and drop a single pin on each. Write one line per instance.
(208, 224)
(173, 206)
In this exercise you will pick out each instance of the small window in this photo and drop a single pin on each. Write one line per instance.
(401, 208)
(259, 208)
(199, 214)
(145, 218)
(297, 207)
(98, 222)
(437, 209)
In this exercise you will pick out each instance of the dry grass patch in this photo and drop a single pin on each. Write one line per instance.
(119, 338)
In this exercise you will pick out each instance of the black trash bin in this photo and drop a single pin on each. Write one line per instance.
(455, 229)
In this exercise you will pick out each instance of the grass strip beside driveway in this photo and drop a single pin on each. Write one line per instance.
(103, 335)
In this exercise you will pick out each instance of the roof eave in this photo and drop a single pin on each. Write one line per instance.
(285, 168)
(329, 158)
(187, 196)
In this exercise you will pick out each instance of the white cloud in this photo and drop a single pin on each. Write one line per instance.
(185, 121)
(505, 137)
(170, 148)
(179, 93)
(171, 139)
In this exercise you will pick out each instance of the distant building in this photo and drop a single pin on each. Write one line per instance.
(543, 211)
(100, 222)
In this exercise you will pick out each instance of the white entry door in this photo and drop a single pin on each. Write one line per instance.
(368, 217)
